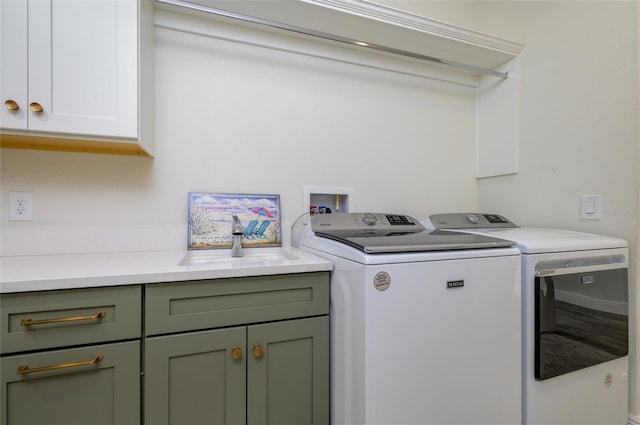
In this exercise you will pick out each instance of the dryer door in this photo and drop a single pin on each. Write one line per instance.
(581, 318)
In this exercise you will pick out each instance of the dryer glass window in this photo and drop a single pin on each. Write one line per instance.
(581, 319)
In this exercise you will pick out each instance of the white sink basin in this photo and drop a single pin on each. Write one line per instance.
(258, 257)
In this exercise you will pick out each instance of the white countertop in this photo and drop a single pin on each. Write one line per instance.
(66, 271)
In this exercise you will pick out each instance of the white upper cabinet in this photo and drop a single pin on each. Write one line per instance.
(82, 66)
(70, 69)
(13, 64)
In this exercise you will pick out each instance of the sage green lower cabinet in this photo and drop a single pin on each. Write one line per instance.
(275, 373)
(71, 357)
(84, 386)
(289, 382)
(193, 378)
(251, 350)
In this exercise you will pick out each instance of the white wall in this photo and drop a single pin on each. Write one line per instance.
(234, 117)
(578, 107)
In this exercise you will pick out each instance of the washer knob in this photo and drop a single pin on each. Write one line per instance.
(473, 218)
(369, 219)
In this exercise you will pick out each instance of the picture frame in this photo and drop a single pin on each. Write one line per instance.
(210, 216)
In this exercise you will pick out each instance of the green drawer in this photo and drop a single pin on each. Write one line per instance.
(47, 319)
(93, 385)
(206, 304)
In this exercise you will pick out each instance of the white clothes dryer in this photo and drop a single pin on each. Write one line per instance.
(425, 325)
(575, 290)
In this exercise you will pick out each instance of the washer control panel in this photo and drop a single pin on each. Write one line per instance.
(470, 221)
(373, 221)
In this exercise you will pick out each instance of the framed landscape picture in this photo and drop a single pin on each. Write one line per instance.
(210, 216)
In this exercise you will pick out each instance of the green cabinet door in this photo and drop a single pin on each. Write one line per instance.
(288, 372)
(91, 385)
(196, 378)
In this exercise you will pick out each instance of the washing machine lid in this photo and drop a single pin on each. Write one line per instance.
(378, 233)
(529, 240)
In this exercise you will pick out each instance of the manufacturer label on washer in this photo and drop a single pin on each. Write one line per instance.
(382, 281)
(455, 283)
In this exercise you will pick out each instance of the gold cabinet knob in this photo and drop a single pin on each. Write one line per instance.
(12, 105)
(236, 353)
(258, 351)
(36, 107)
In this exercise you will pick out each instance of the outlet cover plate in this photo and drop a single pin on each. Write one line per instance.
(20, 206)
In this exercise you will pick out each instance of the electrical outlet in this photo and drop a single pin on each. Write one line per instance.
(20, 206)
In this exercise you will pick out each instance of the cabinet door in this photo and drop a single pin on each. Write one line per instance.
(83, 66)
(13, 64)
(196, 378)
(91, 385)
(288, 372)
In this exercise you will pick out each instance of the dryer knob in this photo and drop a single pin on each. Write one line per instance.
(369, 219)
(473, 218)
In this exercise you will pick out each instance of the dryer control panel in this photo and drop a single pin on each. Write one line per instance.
(470, 221)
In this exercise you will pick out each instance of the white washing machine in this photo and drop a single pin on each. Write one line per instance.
(575, 320)
(425, 325)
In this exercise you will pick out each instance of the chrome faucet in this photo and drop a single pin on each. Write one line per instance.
(236, 233)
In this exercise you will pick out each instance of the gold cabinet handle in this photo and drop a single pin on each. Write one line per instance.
(258, 351)
(23, 370)
(30, 322)
(12, 105)
(236, 353)
(36, 107)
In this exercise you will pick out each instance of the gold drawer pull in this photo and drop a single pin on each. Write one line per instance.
(36, 107)
(12, 105)
(23, 370)
(29, 322)
(258, 351)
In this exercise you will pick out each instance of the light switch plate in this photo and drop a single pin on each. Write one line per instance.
(590, 207)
